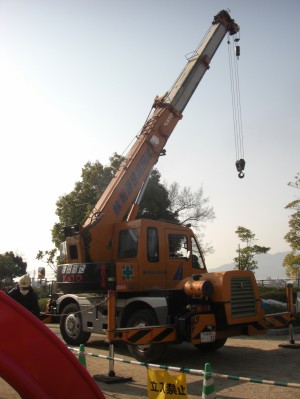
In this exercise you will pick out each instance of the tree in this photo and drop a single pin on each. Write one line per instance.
(190, 207)
(48, 257)
(11, 266)
(155, 203)
(245, 259)
(75, 207)
(292, 260)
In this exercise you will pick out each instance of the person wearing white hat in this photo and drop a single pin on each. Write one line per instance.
(25, 295)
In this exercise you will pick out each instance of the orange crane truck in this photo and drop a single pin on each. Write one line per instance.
(142, 281)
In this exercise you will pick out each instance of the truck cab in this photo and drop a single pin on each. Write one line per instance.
(151, 255)
(145, 255)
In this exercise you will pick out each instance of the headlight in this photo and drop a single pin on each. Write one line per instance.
(199, 288)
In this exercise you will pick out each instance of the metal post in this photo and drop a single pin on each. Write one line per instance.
(291, 331)
(111, 316)
(111, 351)
(290, 308)
(111, 377)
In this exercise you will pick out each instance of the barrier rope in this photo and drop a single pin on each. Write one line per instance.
(105, 299)
(136, 363)
(257, 380)
(190, 371)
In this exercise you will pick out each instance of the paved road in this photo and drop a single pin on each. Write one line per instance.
(258, 357)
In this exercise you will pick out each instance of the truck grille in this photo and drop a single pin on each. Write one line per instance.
(243, 301)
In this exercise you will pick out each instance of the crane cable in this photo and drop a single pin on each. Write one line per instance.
(233, 55)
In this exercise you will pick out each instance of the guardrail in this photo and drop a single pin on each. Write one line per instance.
(279, 282)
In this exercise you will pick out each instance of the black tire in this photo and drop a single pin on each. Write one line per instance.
(145, 353)
(211, 346)
(71, 326)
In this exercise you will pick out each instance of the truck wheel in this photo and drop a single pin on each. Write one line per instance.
(71, 326)
(211, 346)
(145, 353)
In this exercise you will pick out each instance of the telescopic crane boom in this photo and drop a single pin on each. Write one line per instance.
(114, 204)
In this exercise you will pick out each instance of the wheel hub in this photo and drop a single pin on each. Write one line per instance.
(72, 325)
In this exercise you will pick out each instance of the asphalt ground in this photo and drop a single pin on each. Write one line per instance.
(257, 357)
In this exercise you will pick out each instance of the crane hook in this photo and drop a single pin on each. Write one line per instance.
(240, 166)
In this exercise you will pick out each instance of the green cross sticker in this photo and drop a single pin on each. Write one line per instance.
(127, 272)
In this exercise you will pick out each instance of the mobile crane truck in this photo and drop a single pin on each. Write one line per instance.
(145, 282)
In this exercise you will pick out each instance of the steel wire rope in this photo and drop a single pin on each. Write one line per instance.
(136, 136)
(232, 97)
(236, 102)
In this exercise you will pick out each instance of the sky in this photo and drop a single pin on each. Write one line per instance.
(77, 80)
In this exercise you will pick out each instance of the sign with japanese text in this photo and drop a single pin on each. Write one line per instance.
(163, 385)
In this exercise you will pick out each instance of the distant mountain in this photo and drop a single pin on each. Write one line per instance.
(269, 266)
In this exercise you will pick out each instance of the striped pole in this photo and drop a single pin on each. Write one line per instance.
(81, 355)
(208, 388)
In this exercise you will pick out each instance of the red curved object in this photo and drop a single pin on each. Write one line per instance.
(35, 362)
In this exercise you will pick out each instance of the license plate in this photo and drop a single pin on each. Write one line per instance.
(208, 336)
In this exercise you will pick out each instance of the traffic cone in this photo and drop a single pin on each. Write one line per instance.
(81, 355)
(208, 389)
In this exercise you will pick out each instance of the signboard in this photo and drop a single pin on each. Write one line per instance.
(163, 385)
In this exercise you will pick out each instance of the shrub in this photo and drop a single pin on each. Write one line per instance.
(276, 293)
(42, 304)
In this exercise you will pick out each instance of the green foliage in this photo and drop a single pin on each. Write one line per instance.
(245, 259)
(75, 207)
(48, 257)
(11, 266)
(155, 203)
(292, 264)
(292, 260)
(42, 304)
(276, 293)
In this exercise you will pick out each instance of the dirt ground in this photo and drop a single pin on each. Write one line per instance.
(256, 357)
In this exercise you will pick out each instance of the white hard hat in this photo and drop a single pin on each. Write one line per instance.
(24, 281)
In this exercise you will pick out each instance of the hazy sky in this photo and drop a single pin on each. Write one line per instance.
(77, 80)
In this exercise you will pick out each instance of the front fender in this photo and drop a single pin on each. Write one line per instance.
(127, 306)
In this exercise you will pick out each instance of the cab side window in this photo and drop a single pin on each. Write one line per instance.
(197, 261)
(128, 243)
(152, 245)
(178, 246)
